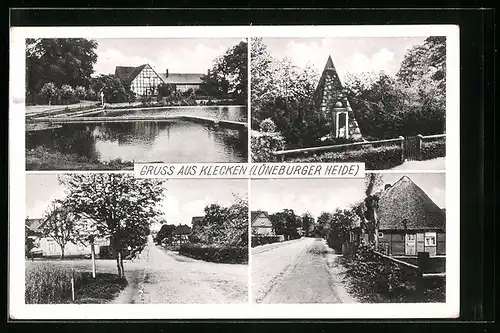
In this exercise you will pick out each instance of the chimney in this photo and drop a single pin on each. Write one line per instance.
(387, 186)
(166, 72)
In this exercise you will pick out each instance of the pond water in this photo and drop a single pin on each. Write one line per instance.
(145, 141)
(234, 113)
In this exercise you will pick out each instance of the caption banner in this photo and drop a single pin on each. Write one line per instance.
(253, 170)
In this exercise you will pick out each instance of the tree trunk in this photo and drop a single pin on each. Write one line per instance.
(118, 263)
(62, 252)
(121, 265)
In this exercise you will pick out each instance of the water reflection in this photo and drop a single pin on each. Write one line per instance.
(175, 141)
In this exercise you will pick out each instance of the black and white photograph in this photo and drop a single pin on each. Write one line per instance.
(106, 238)
(375, 240)
(103, 104)
(377, 100)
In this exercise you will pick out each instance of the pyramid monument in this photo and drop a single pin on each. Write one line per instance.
(331, 100)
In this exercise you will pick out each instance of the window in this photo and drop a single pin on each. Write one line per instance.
(411, 238)
(430, 239)
(380, 234)
(52, 247)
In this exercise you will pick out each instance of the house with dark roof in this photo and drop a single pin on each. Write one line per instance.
(144, 80)
(46, 245)
(409, 221)
(261, 224)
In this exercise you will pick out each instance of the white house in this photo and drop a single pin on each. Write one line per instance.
(261, 224)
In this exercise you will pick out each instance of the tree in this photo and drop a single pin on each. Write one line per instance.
(60, 224)
(307, 223)
(224, 226)
(29, 242)
(48, 92)
(59, 60)
(367, 210)
(119, 207)
(323, 224)
(340, 225)
(80, 93)
(284, 93)
(112, 87)
(286, 223)
(67, 93)
(229, 74)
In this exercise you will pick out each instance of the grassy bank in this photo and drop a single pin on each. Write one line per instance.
(50, 284)
(45, 159)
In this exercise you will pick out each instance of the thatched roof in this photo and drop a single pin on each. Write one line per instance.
(126, 74)
(404, 205)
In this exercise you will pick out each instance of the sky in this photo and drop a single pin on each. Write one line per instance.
(179, 55)
(349, 54)
(184, 198)
(319, 195)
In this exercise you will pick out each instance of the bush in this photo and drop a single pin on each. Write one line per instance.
(67, 94)
(262, 240)
(265, 142)
(374, 276)
(433, 149)
(375, 158)
(232, 255)
(49, 284)
(48, 92)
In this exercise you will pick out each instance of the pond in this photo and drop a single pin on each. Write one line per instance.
(145, 141)
(234, 113)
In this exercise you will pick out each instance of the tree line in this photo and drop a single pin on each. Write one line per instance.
(411, 102)
(59, 71)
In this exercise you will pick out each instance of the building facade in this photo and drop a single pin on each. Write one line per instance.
(261, 224)
(144, 80)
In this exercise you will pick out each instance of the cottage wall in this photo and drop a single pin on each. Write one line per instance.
(146, 80)
(400, 243)
(262, 226)
(50, 248)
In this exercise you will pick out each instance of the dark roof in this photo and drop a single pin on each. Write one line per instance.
(329, 70)
(127, 74)
(182, 78)
(35, 224)
(182, 229)
(404, 203)
(329, 63)
(255, 213)
(197, 220)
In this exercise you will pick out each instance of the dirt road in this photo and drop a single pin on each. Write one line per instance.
(302, 271)
(165, 277)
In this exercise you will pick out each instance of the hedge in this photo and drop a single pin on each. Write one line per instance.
(262, 240)
(433, 149)
(231, 255)
(375, 158)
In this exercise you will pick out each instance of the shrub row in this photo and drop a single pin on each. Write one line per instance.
(433, 149)
(232, 255)
(262, 240)
(375, 158)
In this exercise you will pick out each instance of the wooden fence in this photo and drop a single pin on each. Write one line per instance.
(411, 147)
(426, 267)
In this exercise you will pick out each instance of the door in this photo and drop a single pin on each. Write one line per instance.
(411, 148)
(411, 245)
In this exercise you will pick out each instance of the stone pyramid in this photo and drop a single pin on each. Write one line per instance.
(331, 100)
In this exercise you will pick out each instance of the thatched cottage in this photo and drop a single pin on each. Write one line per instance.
(409, 221)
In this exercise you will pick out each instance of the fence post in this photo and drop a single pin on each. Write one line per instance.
(419, 147)
(402, 148)
(423, 264)
(73, 284)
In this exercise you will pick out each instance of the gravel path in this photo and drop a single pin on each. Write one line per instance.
(170, 278)
(303, 271)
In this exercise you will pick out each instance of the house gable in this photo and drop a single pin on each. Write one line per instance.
(405, 206)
